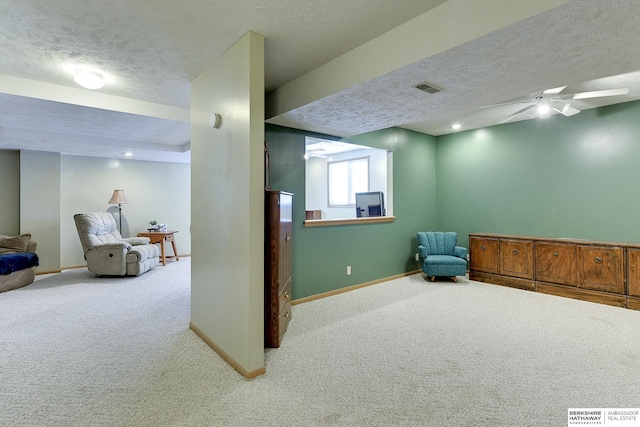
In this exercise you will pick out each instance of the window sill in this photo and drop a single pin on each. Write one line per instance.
(348, 221)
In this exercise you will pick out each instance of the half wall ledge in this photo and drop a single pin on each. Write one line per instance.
(348, 221)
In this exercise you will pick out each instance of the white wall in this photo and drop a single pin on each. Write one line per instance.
(40, 205)
(9, 192)
(316, 181)
(154, 190)
(53, 187)
(316, 185)
(227, 169)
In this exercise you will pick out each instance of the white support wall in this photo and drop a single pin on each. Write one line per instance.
(227, 166)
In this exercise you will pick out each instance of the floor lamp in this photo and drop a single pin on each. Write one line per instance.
(118, 199)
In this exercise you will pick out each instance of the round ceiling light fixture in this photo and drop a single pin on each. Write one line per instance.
(89, 78)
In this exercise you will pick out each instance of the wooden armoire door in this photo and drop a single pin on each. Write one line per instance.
(277, 265)
(284, 287)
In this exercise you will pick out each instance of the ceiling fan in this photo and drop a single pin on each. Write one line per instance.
(550, 100)
(315, 152)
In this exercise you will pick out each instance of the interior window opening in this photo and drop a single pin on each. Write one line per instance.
(345, 181)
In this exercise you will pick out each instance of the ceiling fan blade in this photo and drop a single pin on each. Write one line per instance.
(554, 91)
(525, 109)
(600, 93)
(565, 109)
(524, 101)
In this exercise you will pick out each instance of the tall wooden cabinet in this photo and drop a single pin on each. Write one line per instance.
(277, 265)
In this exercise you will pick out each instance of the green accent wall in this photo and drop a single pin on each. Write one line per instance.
(374, 251)
(576, 177)
(572, 177)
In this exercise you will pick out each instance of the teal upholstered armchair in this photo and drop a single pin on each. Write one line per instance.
(440, 256)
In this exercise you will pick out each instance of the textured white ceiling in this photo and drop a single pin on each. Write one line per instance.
(152, 49)
(570, 45)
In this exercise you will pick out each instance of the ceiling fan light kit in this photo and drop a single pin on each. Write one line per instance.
(544, 107)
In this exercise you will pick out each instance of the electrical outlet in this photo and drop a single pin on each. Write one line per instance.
(348, 270)
(468, 257)
(417, 257)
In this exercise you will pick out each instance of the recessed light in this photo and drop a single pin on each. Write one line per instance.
(128, 154)
(456, 126)
(89, 78)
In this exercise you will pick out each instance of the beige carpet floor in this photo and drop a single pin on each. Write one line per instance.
(82, 351)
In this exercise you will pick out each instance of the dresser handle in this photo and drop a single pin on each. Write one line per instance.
(515, 252)
(482, 248)
(286, 314)
(288, 238)
(598, 260)
(286, 294)
(555, 254)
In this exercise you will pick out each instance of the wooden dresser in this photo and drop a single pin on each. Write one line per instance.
(602, 272)
(277, 265)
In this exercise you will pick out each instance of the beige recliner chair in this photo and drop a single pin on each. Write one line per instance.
(107, 253)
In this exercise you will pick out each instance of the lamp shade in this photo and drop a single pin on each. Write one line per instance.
(118, 198)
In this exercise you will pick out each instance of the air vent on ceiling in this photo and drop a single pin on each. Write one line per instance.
(428, 87)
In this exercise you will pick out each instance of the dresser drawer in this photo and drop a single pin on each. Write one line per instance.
(285, 297)
(483, 253)
(556, 263)
(600, 268)
(633, 280)
(516, 258)
(284, 318)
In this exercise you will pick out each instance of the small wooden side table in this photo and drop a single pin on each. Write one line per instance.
(161, 237)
